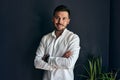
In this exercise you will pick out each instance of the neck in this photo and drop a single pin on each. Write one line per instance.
(58, 33)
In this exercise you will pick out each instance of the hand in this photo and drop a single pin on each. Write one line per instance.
(67, 54)
(45, 58)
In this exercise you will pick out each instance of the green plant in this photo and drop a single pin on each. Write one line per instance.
(108, 76)
(94, 68)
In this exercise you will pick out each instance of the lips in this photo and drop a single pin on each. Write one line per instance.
(60, 25)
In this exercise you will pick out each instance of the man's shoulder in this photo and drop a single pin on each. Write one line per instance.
(46, 35)
(71, 34)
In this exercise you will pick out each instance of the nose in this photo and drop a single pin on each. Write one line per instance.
(60, 21)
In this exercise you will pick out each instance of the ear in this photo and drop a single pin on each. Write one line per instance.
(68, 21)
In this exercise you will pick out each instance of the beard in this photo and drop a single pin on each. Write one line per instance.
(59, 27)
(56, 29)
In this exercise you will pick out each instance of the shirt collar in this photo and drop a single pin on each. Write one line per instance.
(53, 33)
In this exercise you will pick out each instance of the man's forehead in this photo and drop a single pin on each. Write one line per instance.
(61, 13)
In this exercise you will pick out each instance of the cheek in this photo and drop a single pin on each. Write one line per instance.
(55, 21)
(67, 22)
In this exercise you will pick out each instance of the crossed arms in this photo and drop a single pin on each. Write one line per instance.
(66, 61)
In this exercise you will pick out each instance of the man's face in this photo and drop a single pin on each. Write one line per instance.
(61, 20)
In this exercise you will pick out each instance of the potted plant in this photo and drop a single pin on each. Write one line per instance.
(108, 76)
(94, 70)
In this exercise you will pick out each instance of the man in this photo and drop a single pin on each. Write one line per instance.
(58, 51)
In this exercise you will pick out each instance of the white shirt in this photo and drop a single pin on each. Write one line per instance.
(58, 67)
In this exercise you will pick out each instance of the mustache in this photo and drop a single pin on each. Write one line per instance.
(60, 24)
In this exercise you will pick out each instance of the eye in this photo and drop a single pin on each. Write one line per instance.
(56, 17)
(65, 18)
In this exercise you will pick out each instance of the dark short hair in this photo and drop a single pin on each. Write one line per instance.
(61, 8)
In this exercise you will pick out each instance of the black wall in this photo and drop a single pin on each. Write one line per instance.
(24, 22)
(114, 60)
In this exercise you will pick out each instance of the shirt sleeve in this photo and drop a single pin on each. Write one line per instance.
(38, 62)
(65, 63)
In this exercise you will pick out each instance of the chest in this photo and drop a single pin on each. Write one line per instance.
(56, 47)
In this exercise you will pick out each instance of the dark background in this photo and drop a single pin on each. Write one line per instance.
(24, 22)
